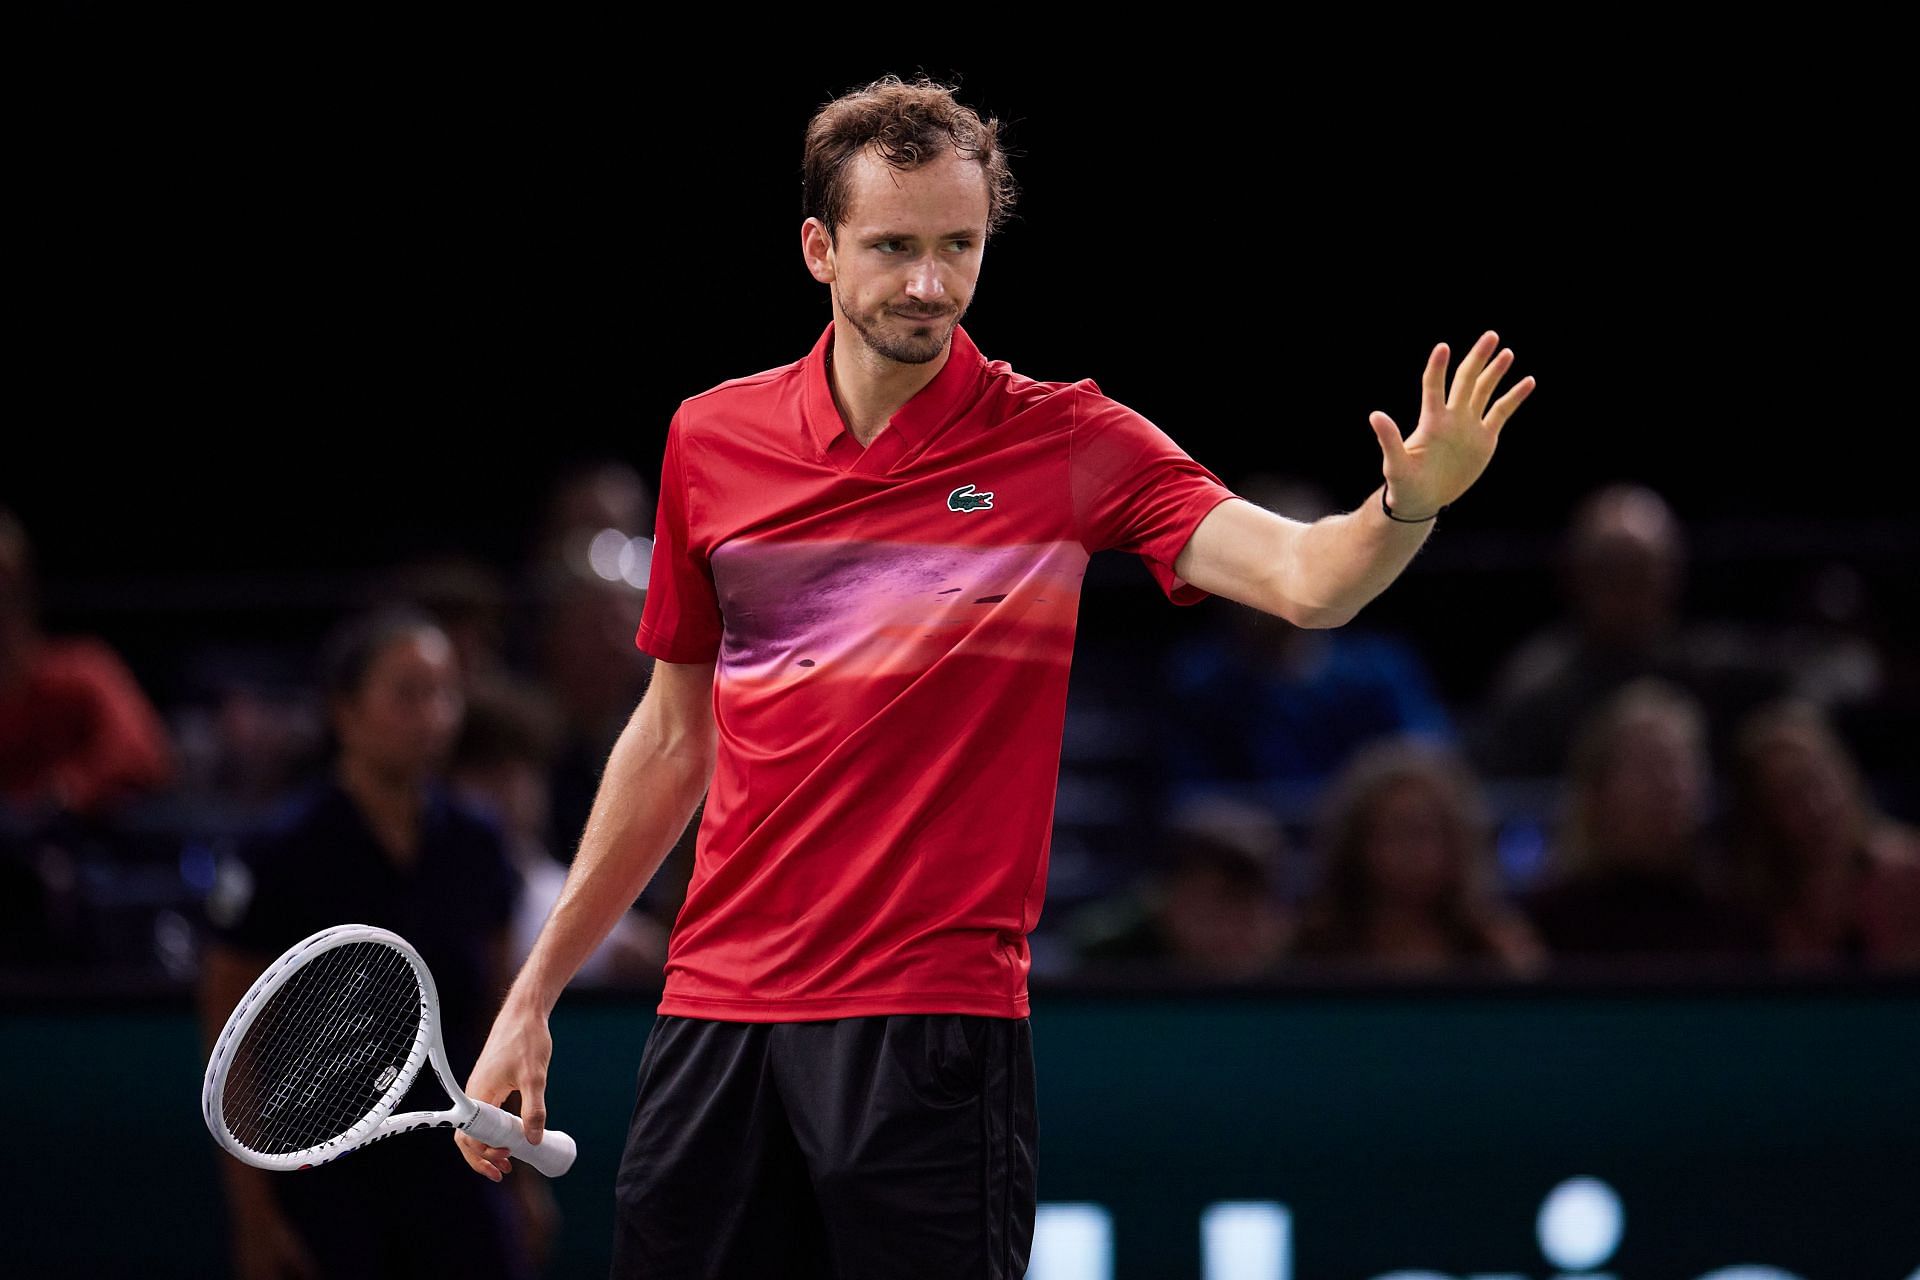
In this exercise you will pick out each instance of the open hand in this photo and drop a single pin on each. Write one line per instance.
(1456, 434)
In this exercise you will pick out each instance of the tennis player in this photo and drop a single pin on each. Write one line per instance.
(865, 580)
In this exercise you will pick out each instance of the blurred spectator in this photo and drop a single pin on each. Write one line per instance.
(597, 525)
(1845, 652)
(41, 913)
(1836, 880)
(1828, 645)
(1212, 912)
(379, 840)
(1631, 874)
(248, 739)
(501, 762)
(596, 675)
(585, 581)
(587, 499)
(1623, 570)
(1407, 871)
(468, 598)
(1257, 701)
(77, 736)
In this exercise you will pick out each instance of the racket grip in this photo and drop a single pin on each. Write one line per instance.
(552, 1155)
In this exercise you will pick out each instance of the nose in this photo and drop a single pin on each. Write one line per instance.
(924, 283)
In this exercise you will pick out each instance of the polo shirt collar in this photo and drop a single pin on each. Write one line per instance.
(931, 408)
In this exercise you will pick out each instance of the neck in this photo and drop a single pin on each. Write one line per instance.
(868, 388)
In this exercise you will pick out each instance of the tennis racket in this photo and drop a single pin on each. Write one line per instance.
(324, 1045)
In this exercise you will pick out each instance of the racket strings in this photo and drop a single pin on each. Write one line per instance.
(324, 1049)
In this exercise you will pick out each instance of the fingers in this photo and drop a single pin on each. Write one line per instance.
(1387, 432)
(1468, 375)
(474, 1154)
(533, 1107)
(488, 1162)
(1504, 407)
(1433, 383)
(1483, 388)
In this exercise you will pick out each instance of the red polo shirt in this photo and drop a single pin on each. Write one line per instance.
(892, 627)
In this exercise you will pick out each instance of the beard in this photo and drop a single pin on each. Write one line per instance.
(901, 338)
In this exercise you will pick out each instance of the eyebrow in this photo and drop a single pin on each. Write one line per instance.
(968, 233)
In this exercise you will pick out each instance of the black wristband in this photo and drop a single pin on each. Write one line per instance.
(1402, 519)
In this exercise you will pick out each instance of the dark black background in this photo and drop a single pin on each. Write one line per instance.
(309, 299)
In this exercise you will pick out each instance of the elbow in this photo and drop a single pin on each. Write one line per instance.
(1308, 617)
(1305, 616)
(1293, 589)
(1321, 619)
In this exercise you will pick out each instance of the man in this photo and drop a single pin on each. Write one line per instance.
(864, 586)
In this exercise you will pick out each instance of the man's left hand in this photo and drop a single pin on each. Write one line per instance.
(1456, 434)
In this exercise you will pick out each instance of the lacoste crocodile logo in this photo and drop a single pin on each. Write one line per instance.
(965, 499)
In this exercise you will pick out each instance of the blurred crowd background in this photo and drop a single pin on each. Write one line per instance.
(349, 355)
(1632, 785)
(1646, 697)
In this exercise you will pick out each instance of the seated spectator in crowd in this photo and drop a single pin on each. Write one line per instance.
(583, 582)
(1213, 911)
(500, 763)
(589, 497)
(1624, 572)
(468, 598)
(1836, 880)
(1257, 701)
(1630, 871)
(245, 728)
(379, 839)
(1407, 877)
(77, 735)
(596, 676)
(1831, 642)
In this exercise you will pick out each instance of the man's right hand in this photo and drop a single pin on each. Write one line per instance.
(515, 1059)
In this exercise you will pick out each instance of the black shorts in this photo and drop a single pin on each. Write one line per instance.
(852, 1149)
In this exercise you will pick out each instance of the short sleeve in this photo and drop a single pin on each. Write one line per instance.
(1135, 490)
(680, 621)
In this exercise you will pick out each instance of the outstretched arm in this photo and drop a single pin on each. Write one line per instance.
(1324, 573)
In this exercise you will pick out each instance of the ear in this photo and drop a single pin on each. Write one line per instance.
(817, 248)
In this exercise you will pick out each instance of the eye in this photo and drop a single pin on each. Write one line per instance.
(882, 246)
(964, 244)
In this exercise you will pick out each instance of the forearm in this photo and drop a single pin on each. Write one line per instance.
(650, 787)
(1342, 562)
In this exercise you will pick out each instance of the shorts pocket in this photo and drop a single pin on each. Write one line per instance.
(952, 1056)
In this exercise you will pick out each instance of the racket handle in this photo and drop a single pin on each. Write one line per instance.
(552, 1155)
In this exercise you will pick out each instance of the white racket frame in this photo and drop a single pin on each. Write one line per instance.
(553, 1155)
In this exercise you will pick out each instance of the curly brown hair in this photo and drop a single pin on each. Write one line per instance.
(1335, 916)
(907, 125)
(1765, 863)
(1599, 745)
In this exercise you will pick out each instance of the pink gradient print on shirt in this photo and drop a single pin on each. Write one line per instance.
(787, 605)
